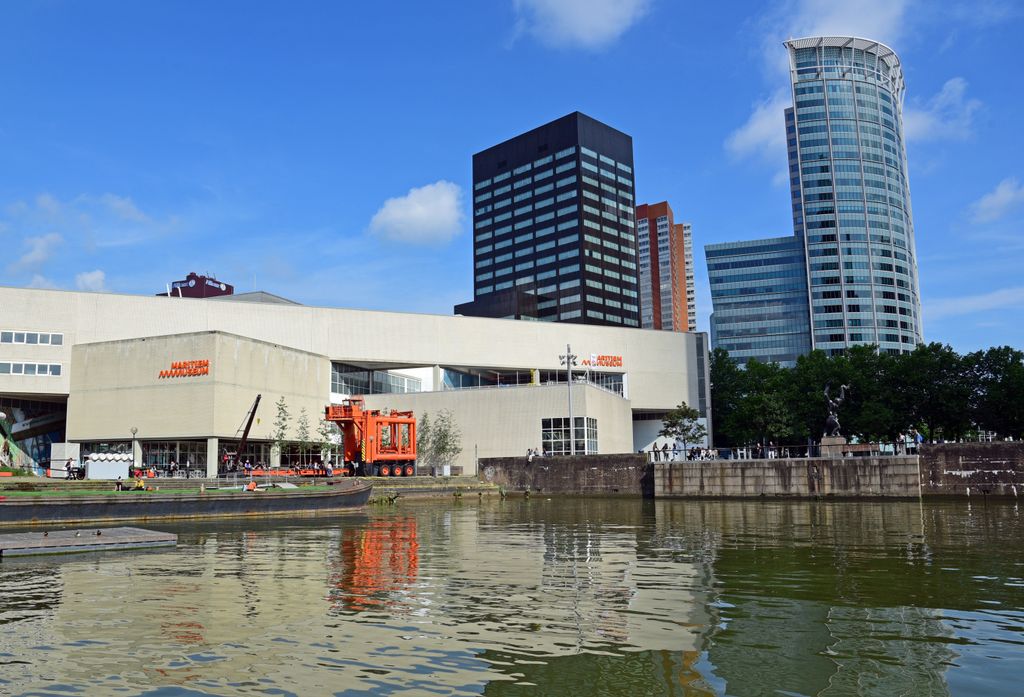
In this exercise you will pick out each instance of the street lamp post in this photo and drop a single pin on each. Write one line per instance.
(569, 360)
(134, 431)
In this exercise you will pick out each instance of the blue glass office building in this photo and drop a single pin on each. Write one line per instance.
(854, 231)
(759, 292)
(851, 200)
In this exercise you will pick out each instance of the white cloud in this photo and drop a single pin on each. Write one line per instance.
(430, 214)
(124, 207)
(997, 203)
(881, 20)
(1003, 299)
(764, 133)
(91, 280)
(40, 249)
(947, 115)
(585, 23)
(39, 281)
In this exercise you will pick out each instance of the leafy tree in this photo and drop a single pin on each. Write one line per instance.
(446, 441)
(282, 424)
(302, 435)
(727, 388)
(325, 433)
(998, 400)
(681, 424)
(425, 441)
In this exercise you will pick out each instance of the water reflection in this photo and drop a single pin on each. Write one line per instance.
(602, 597)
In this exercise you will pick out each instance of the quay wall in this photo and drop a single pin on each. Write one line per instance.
(950, 469)
(627, 474)
(846, 477)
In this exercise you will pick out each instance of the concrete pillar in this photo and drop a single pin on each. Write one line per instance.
(437, 378)
(212, 447)
(275, 456)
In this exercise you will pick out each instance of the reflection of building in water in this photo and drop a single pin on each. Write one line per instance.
(373, 561)
(795, 610)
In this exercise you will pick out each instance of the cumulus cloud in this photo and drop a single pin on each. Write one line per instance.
(430, 214)
(40, 249)
(764, 133)
(949, 115)
(1007, 195)
(91, 280)
(588, 24)
(1003, 299)
(40, 281)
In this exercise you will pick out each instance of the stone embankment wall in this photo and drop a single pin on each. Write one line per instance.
(593, 475)
(949, 469)
(850, 477)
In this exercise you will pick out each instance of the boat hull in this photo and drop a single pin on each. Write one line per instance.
(154, 506)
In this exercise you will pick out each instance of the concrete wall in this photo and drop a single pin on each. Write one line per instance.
(849, 476)
(116, 386)
(596, 475)
(985, 468)
(661, 366)
(506, 421)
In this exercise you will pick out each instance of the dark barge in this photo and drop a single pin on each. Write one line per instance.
(213, 503)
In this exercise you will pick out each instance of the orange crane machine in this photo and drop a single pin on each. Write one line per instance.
(375, 442)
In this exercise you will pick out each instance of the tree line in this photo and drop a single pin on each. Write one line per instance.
(943, 394)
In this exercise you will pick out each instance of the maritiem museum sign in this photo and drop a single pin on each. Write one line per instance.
(186, 369)
(601, 361)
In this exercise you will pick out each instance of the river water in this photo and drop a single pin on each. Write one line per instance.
(537, 597)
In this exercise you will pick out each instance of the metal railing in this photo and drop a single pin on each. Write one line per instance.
(782, 451)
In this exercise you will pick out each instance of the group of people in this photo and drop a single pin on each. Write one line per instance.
(532, 453)
(667, 453)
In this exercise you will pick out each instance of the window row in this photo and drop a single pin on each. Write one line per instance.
(20, 368)
(20, 337)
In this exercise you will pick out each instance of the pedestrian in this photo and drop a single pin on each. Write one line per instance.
(664, 451)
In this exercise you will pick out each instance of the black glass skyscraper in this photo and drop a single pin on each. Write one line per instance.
(554, 234)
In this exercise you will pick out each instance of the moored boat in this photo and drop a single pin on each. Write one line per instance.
(154, 505)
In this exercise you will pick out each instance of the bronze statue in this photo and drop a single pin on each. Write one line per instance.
(832, 422)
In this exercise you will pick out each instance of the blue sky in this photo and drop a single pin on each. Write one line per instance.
(322, 151)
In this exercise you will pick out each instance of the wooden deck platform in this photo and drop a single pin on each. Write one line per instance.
(22, 544)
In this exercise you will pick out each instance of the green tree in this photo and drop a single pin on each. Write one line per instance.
(682, 424)
(325, 433)
(302, 435)
(998, 400)
(282, 424)
(727, 388)
(446, 442)
(425, 441)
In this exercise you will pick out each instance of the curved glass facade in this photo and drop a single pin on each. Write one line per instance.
(851, 201)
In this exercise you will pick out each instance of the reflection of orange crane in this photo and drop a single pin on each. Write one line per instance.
(377, 443)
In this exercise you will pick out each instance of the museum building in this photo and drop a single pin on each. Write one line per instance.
(172, 379)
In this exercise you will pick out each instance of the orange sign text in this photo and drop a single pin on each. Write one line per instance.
(186, 369)
(604, 361)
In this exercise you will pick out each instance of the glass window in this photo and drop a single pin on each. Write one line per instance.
(30, 369)
(57, 339)
(19, 337)
(5, 368)
(7, 337)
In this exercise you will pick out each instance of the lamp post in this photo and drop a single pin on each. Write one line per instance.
(569, 360)
(134, 431)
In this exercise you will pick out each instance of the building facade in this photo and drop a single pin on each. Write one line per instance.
(174, 378)
(554, 237)
(759, 292)
(850, 193)
(852, 219)
(665, 252)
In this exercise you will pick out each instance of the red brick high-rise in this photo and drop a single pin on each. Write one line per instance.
(666, 270)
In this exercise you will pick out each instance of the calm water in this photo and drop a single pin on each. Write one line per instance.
(538, 597)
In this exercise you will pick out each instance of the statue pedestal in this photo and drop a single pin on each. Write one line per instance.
(833, 446)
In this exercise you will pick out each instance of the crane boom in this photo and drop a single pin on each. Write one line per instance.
(248, 424)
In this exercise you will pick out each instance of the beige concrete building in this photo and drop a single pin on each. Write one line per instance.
(90, 367)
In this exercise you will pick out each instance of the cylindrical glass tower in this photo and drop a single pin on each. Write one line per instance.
(851, 201)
